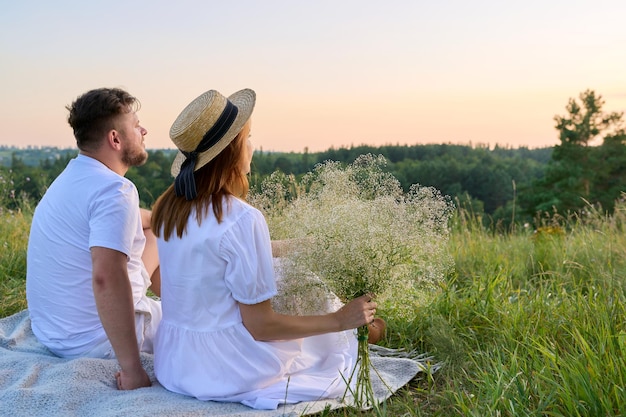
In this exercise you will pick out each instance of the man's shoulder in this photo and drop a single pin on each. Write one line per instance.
(98, 176)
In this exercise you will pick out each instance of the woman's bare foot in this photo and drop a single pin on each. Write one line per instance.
(376, 330)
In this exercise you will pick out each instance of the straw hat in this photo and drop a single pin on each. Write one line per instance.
(208, 124)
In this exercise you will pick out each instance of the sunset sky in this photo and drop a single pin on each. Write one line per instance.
(327, 73)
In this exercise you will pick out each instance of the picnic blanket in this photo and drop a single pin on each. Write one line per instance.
(34, 382)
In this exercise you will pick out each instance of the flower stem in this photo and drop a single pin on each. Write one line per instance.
(363, 393)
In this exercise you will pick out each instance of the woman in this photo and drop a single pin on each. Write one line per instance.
(219, 338)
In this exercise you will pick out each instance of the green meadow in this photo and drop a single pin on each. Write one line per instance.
(527, 323)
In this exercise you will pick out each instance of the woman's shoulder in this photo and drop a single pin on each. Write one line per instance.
(240, 207)
(242, 216)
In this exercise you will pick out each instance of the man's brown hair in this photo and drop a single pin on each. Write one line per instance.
(93, 113)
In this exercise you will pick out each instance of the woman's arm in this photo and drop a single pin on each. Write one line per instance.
(146, 217)
(282, 247)
(265, 324)
(279, 248)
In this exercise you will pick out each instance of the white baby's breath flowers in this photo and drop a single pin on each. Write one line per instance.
(355, 229)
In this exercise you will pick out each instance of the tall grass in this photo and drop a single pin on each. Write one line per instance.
(533, 324)
(14, 229)
(530, 323)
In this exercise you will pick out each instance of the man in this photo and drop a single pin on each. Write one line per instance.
(91, 255)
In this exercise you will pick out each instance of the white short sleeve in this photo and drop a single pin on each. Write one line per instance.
(114, 218)
(248, 254)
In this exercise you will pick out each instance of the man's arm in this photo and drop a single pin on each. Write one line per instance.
(114, 300)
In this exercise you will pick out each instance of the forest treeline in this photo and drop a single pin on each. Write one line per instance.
(500, 184)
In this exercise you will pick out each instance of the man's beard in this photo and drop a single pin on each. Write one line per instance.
(134, 157)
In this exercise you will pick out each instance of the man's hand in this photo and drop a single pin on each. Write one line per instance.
(132, 380)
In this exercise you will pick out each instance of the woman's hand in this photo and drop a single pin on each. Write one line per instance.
(357, 312)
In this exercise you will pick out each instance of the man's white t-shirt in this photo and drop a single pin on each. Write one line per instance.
(87, 205)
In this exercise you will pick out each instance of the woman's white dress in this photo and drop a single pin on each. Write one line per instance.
(202, 348)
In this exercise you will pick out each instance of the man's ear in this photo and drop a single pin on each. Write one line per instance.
(113, 139)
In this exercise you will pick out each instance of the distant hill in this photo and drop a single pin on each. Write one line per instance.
(33, 155)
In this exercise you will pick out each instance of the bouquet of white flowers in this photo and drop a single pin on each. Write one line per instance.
(359, 232)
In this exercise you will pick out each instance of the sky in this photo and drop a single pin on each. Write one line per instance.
(327, 73)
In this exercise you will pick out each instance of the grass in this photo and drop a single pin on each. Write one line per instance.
(530, 323)
(14, 228)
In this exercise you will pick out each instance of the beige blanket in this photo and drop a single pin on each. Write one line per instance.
(34, 382)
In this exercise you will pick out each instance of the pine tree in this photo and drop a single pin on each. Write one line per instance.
(580, 171)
